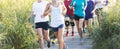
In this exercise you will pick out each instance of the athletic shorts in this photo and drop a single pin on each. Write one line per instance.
(88, 16)
(55, 29)
(71, 17)
(43, 25)
(76, 17)
(98, 11)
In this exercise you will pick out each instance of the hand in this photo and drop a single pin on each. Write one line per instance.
(70, 7)
(63, 13)
(92, 12)
(42, 16)
(74, 3)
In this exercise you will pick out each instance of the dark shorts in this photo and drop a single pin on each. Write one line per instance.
(76, 17)
(71, 17)
(88, 16)
(55, 29)
(67, 22)
(98, 11)
(43, 25)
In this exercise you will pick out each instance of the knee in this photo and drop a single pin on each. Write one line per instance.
(72, 24)
(41, 37)
(67, 23)
(60, 41)
(80, 27)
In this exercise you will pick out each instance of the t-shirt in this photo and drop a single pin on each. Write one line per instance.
(69, 11)
(57, 17)
(90, 7)
(79, 6)
(39, 9)
(100, 3)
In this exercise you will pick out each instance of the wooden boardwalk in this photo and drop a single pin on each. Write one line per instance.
(75, 42)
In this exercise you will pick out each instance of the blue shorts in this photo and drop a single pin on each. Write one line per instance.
(88, 16)
(55, 29)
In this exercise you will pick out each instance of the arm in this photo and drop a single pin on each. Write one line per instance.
(72, 4)
(85, 4)
(33, 10)
(47, 10)
(32, 13)
(93, 8)
(64, 9)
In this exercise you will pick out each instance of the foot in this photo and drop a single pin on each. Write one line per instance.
(72, 33)
(64, 47)
(67, 34)
(54, 41)
(84, 31)
(48, 44)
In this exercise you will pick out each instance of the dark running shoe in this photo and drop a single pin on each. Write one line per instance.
(72, 33)
(67, 34)
(48, 44)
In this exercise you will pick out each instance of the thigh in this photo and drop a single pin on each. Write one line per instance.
(56, 34)
(81, 22)
(45, 25)
(46, 33)
(90, 21)
(55, 30)
(39, 32)
(77, 23)
(86, 22)
(60, 33)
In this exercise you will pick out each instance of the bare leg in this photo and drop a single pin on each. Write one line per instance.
(67, 24)
(39, 31)
(77, 25)
(72, 26)
(46, 35)
(90, 21)
(56, 34)
(47, 38)
(86, 23)
(67, 31)
(60, 38)
(81, 26)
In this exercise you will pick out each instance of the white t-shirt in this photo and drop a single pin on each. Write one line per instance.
(100, 3)
(56, 16)
(39, 9)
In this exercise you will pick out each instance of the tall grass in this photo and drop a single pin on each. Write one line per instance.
(15, 30)
(107, 35)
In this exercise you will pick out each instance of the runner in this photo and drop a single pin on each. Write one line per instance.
(70, 15)
(99, 5)
(89, 14)
(57, 11)
(41, 24)
(79, 13)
